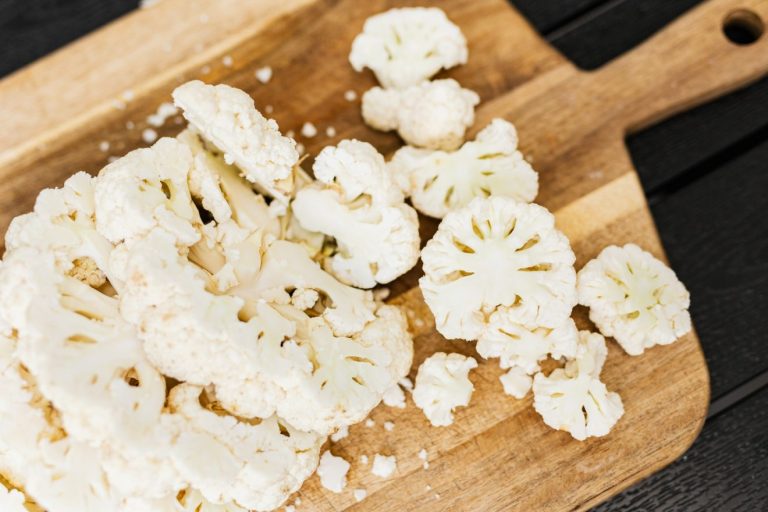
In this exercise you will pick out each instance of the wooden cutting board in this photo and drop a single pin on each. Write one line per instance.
(498, 455)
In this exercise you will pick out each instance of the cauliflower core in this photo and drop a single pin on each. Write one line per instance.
(634, 298)
(491, 165)
(357, 204)
(405, 46)
(442, 385)
(498, 260)
(431, 115)
(573, 398)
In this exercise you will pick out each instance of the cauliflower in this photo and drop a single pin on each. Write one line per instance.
(574, 399)
(227, 118)
(333, 472)
(431, 115)
(516, 382)
(491, 165)
(405, 46)
(634, 298)
(498, 256)
(358, 204)
(11, 500)
(442, 384)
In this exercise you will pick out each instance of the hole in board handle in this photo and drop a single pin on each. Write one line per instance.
(743, 27)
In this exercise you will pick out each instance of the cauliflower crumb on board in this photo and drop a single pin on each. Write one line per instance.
(360, 494)
(308, 130)
(227, 61)
(263, 74)
(364, 460)
(104, 146)
(350, 95)
(394, 397)
(164, 111)
(389, 426)
(635, 298)
(442, 385)
(333, 472)
(384, 466)
(149, 135)
(424, 458)
(369, 423)
(330, 132)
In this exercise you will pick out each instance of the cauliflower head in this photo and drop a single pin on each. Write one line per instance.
(432, 115)
(442, 385)
(634, 298)
(227, 118)
(405, 46)
(573, 398)
(491, 165)
(357, 204)
(498, 255)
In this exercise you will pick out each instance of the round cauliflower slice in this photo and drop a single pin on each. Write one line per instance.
(356, 203)
(227, 118)
(573, 398)
(634, 298)
(405, 46)
(498, 255)
(442, 385)
(491, 165)
(433, 115)
(255, 464)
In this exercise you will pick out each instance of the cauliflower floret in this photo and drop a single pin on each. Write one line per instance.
(406, 46)
(356, 203)
(523, 346)
(442, 385)
(498, 255)
(516, 382)
(574, 399)
(333, 472)
(227, 118)
(634, 298)
(491, 165)
(192, 501)
(255, 464)
(11, 500)
(431, 115)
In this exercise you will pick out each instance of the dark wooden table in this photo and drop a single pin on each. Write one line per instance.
(705, 173)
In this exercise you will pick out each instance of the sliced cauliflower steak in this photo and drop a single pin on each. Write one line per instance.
(227, 118)
(634, 298)
(358, 204)
(431, 115)
(491, 165)
(573, 398)
(405, 46)
(498, 256)
(442, 385)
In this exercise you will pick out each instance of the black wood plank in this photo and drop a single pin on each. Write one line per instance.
(548, 15)
(715, 232)
(725, 470)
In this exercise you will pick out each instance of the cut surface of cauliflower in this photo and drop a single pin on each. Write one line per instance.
(498, 255)
(573, 398)
(491, 165)
(635, 298)
(333, 472)
(357, 204)
(433, 115)
(405, 46)
(227, 118)
(442, 385)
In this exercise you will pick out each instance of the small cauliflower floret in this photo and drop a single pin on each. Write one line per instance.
(406, 46)
(498, 255)
(516, 382)
(431, 115)
(144, 189)
(384, 465)
(442, 385)
(356, 203)
(634, 298)
(523, 346)
(573, 398)
(256, 464)
(11, 500)
(333, 472)
(227, 118)
(491, 165)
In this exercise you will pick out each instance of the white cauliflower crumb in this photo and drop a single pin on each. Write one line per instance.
(405, 46)
(330, 131)
(442, 385)
(360, 494)
(161, 115)
(130, 125)
(394, 397)
(340, 434)
(389, 426)
(573, 398)
(104, 146)
(384, 466)
(424, 458)
(406, 383)
(364, 460)
(308, 130)
(350, 95)
(433, 115)
(269, 109)
(491, 165)
(333, 472)
(369, 423)
(227, 61)
(149, 135)
(634, 298)
(516, 382)
(264, 74)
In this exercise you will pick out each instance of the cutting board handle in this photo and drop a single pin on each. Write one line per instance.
(689, 62)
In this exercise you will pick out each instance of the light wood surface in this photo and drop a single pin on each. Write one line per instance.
(498, 455)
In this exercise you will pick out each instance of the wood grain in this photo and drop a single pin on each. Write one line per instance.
(498, 455)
